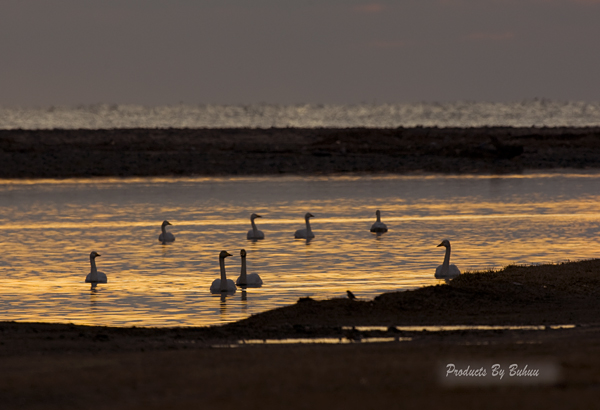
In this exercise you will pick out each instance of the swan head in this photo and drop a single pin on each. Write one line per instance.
(445, 243)
(377, 213)
(254, 216)
(243, 253)
(308, 215)
(94, 254)
(224, 254)
(165, 223)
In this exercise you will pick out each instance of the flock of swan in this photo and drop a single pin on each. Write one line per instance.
(222, 285)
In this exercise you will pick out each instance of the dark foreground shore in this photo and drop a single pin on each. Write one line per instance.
(242, 151)
(62, 366)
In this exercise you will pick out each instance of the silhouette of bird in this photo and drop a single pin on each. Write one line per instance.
(255, 233)
(95, 277)
(445, 270)
(165, 236)
(378, 226)
(307, 232)
(223, 284)
(252, 280)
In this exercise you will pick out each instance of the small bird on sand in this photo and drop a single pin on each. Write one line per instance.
(351, 295)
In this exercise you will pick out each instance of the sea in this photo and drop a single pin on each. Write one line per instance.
(527, 113)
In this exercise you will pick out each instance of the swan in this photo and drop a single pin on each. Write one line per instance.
(166, 236)
(378, 226)
(305, 233)
(94, 276)
(250, 281)
(445, 270)
(254, 233)
(223, 285)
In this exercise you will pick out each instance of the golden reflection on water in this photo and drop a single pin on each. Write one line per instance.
(50, 227)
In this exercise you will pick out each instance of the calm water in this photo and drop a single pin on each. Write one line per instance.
(453, 114)
(50, 227)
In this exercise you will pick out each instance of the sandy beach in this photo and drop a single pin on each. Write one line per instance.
(67, 366)
(249, 151)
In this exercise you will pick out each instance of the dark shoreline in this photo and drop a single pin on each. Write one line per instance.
(62, 153)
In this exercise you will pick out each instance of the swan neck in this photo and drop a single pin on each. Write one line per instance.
(254, 229)
(223, 276)
(307, 225)
(94, 271)
(163, 228)
(447, 259)
(378, 217)
(243, 271)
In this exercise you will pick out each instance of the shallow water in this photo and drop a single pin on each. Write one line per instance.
(49, 228)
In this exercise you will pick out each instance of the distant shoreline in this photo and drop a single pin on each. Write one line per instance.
(60, 153)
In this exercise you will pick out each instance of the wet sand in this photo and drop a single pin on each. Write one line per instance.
(66, 366)
(243, 151)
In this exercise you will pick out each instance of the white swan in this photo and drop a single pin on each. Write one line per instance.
(252, 280)
(165, 236)
(254, 233)
(378, 226)
(445, 270)
(307, 232)
(223, 285)
(94, 276)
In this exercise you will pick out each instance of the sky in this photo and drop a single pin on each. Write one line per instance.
(165, 52)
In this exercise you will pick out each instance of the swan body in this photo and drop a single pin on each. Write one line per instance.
(378, 226)
(254, 233)
(94, 276)
(252, 280)
(445, 270)
(307, 232)
(223, 285)
(165, 236)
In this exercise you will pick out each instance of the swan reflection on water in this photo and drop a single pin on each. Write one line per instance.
(223, 304)
(94, 305)
(378, 235)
